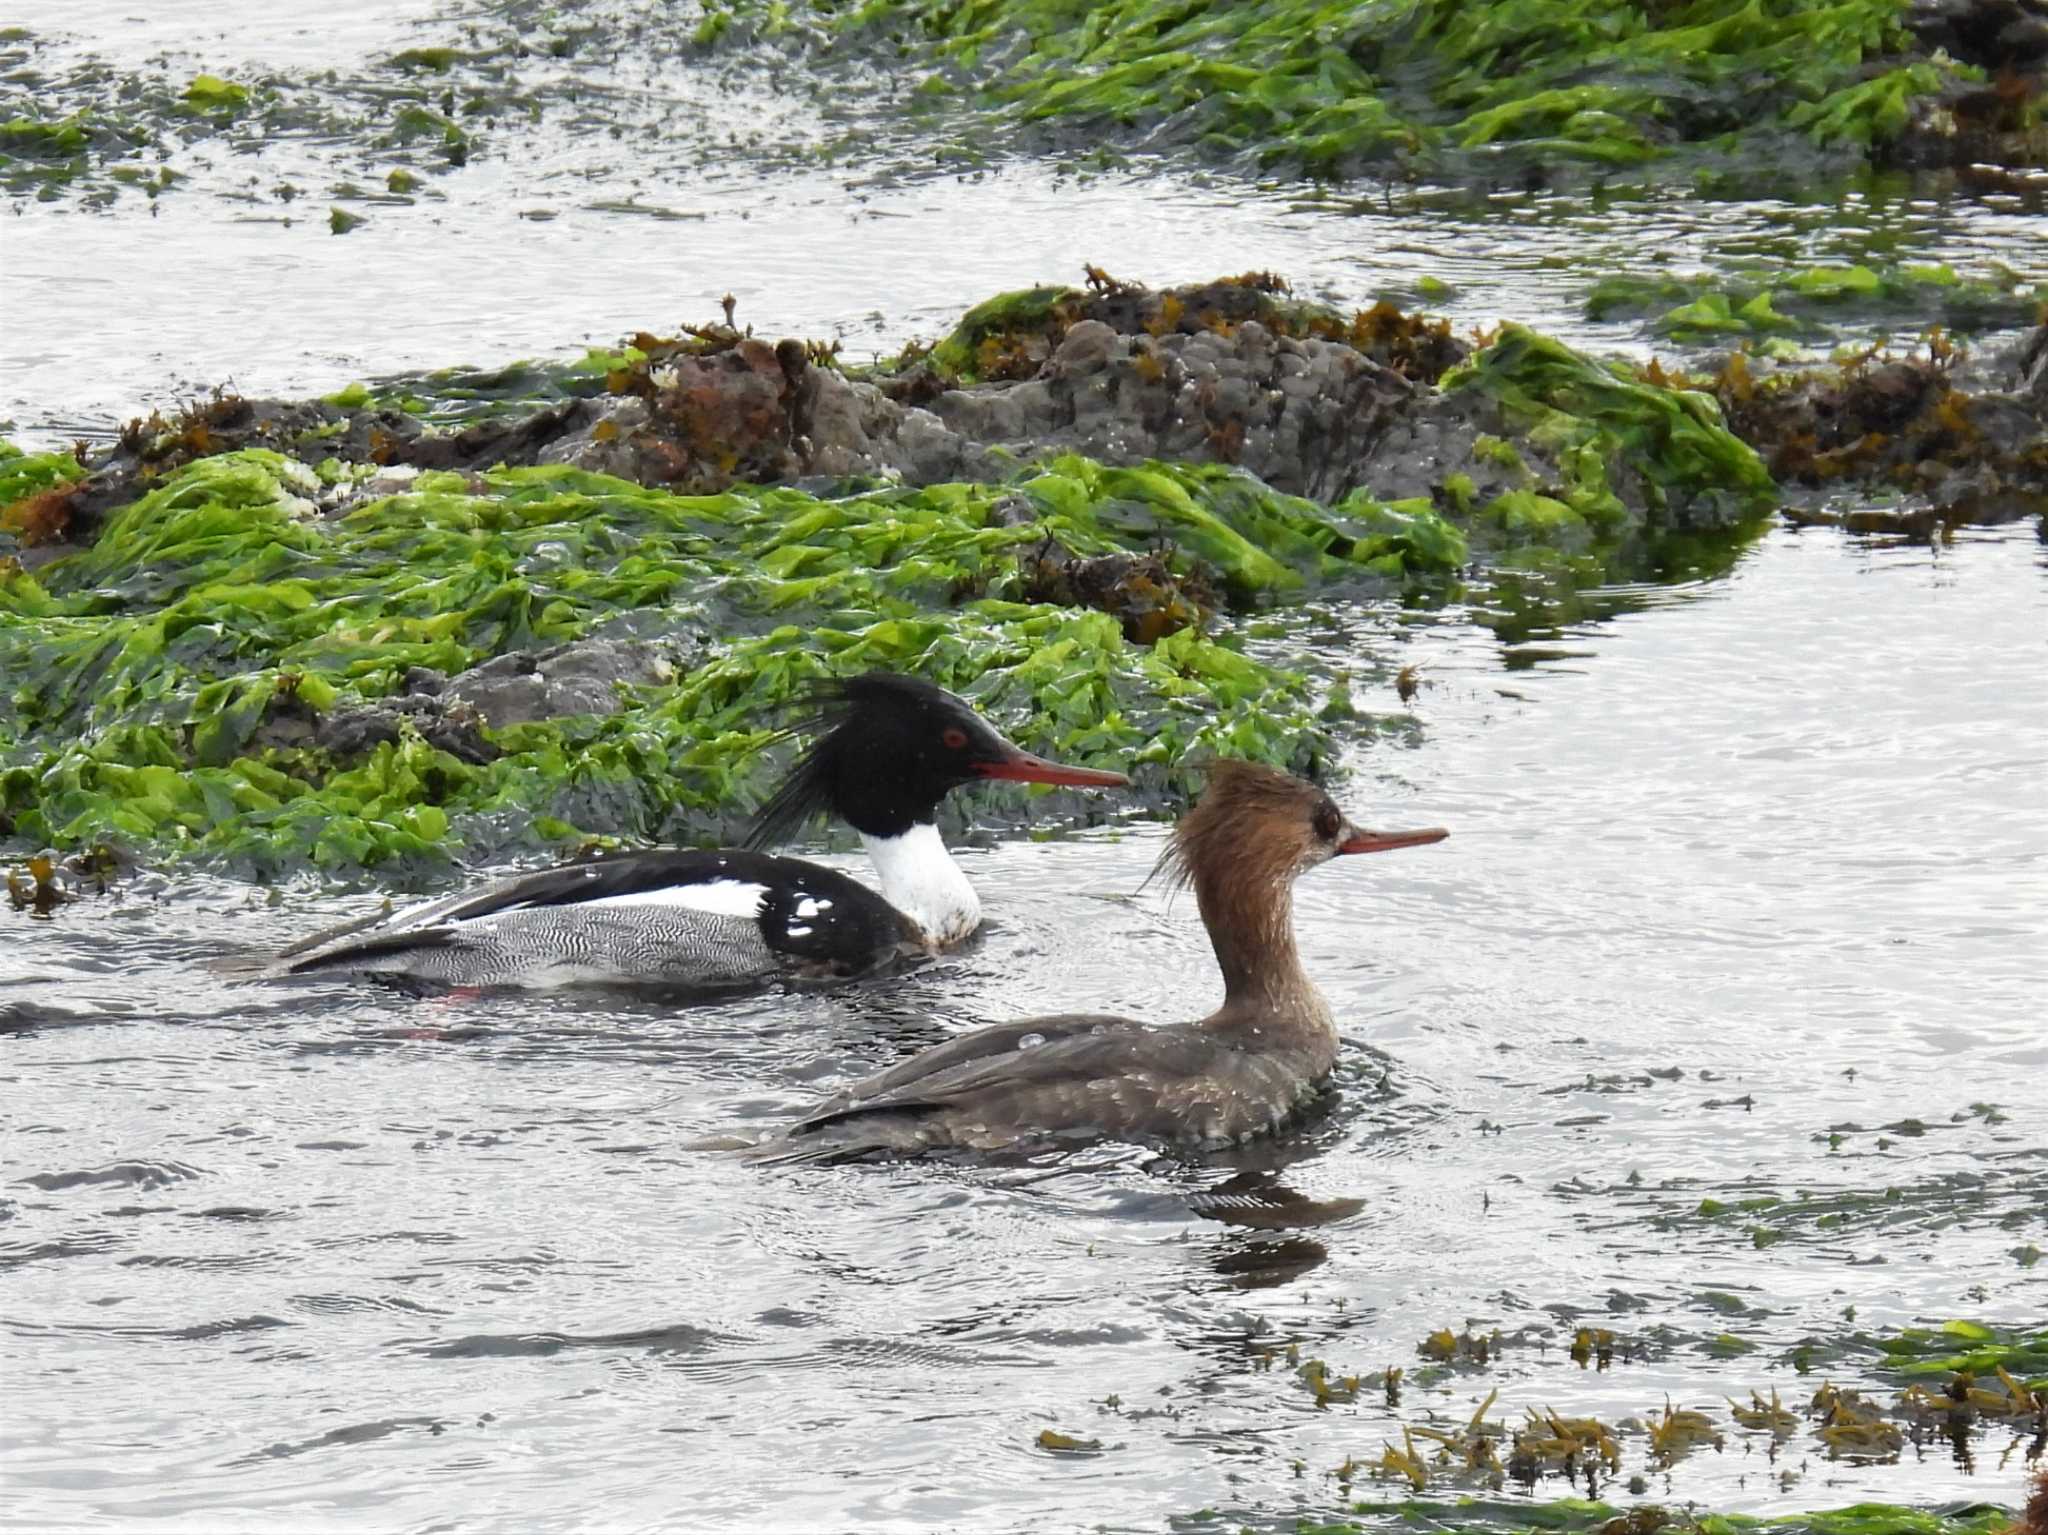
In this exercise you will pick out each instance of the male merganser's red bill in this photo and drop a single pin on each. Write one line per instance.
(1025, 768)
(888, 749)
(1241, 1071)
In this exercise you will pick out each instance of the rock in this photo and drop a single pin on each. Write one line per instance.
(1088, 347)
(354, 732)
(1992, 34)
(579, 678)
(1921, 425)
(1301, 417)
(2007, 424)
(2032, 368)
(835, 423)
(2024, 41)
(700, 422)
(452, 714)
(1140, 591)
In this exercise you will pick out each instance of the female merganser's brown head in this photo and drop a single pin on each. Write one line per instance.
(1255, 831)
(1257, 824)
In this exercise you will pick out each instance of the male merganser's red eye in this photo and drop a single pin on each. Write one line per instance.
(955, 738)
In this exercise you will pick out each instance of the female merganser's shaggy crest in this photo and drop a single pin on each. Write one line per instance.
(891, 750)
(1239, 1072)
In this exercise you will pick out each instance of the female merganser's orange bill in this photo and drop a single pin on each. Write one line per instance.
(1239, 1072)
(891, 748)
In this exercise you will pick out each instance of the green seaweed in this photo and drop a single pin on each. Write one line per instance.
(1336, 87)
(210, 93)
(24, 474)
(144, 667)
(1760, 301)
(437, 60)
(1920, 1352)
(961, 357)
(43, 138)
(416, 124)
(1598, 422)
(1868, 111)
(1586, 1516)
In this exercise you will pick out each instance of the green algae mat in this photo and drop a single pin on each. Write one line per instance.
(1733, 90)
(142, 671)
(1453, 87)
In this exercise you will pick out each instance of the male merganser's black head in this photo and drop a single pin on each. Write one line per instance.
(1259, 827)
(892, 748)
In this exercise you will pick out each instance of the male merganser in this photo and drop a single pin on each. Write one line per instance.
(891, 750)
(1239, 1072)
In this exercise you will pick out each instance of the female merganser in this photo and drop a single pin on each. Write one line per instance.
(892, 748)
(1239, 1072)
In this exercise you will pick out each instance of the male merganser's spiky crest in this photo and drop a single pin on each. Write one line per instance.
(888, 748)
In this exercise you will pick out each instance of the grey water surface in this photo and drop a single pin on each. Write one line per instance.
(1746, 896)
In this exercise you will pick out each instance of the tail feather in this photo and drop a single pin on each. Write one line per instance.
(332, 935)
(816, 1153)
(242, 967)
(851, 1134)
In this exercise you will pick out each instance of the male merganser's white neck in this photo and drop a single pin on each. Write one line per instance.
(920, 879)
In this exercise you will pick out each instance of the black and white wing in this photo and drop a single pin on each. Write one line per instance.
(711, 918)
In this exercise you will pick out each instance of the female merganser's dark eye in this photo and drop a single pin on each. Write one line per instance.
(1329, 821)
(955, 738)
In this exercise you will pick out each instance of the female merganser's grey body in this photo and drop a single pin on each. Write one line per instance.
(892, 748)
(1241, 1071)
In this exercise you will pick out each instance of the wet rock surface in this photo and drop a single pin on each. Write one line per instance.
(1145, 595)
(1989, 128)
(1964, 449)
(1305, 416)
(696, 421)
(1233, 372)
(1224, 372)
(348, 733)
(2030, 370)
(1992, 34)
(519, 687)
(586, 677)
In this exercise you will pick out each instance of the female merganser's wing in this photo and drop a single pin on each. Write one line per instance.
(690, 918)
(996, 1041)
(1105, 1077)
